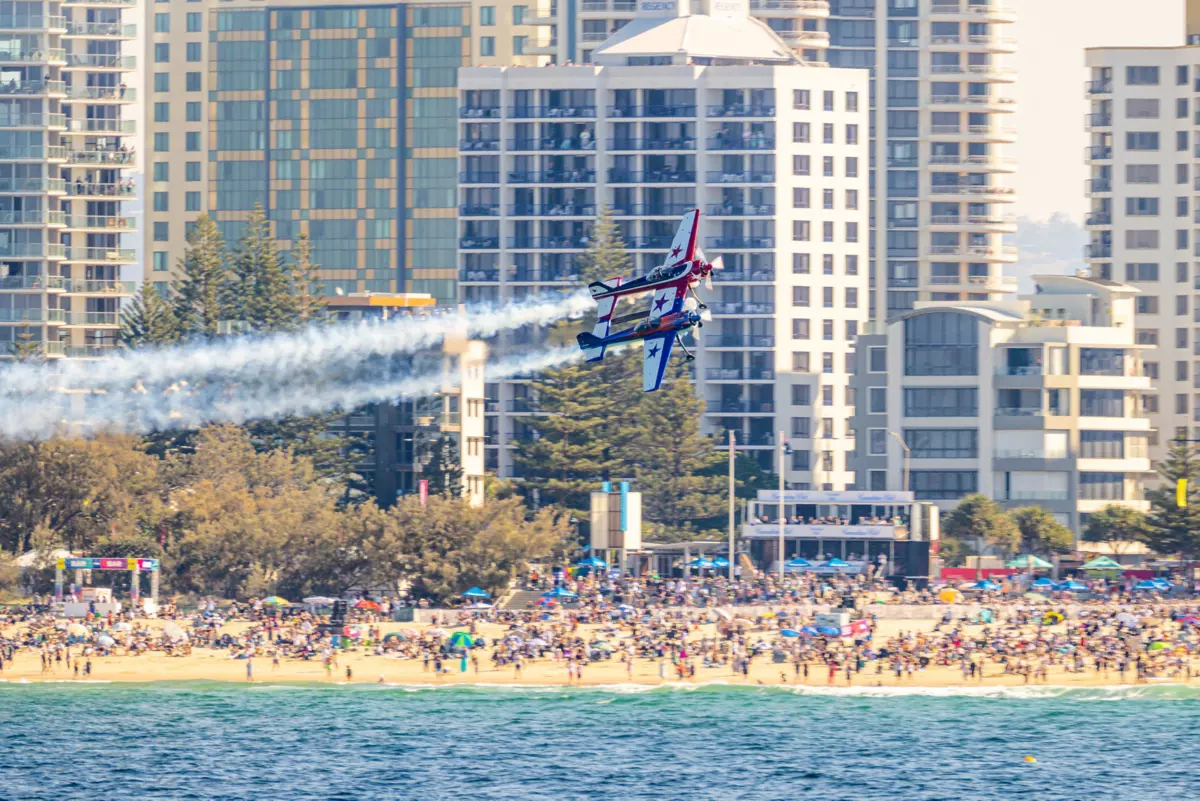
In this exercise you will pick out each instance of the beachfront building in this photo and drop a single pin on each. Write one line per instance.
(404, 439)
(1035, 401)
(354, 145)
(64, 151)
(1144, 216)
(940, 105)
(680, 111)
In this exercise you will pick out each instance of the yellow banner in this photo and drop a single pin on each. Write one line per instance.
(1181, 493)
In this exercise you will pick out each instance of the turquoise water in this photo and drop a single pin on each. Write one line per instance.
(363, 742)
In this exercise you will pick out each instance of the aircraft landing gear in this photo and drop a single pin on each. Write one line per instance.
(686, 352)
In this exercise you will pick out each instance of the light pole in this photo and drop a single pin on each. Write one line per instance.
(783, 448)
(907, 454)
(732, 486)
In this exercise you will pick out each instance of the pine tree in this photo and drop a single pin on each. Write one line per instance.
(443, 466)
(1172, 529)
(607, 256)
(26, 347)
(259, 298)
(306, 288)
(148, 320)
(670, 459)
(199, 305)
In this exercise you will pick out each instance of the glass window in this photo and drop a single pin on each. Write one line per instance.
(518, 15)
(160, 232)
(1101, 445)
(193, 111)
(162, 23)
(162, 171)
(941, 343)
(941, 402)
(162, 112)
(1141, 76)
(162, 52)
(1101, 403)
(160, 260)
(193, 51)
(161, 202)
(942, 443)
(877, 400)
(195, 22)
(192, 170)
(162, 81)
(162, 142)
(1102, 486)
(487, 15)
(932, 485)
(877, 360)
(193, 81)
(191, 201)
(519, 45)
(487, 45)
(192, 144)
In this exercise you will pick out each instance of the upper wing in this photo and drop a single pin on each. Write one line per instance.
(668, 299)
(656, 351)
(683, 246)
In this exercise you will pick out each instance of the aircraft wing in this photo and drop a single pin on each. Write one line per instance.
(656, 352)
(683, 246)
(667, 299)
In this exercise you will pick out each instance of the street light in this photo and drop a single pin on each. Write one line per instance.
(907, 454)
(784, 448)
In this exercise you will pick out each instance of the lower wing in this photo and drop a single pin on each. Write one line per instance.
(656, 351)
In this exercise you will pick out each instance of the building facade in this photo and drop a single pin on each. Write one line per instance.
(338, 119)
(773, 153)
(1144, 215)
(64, 151)
(1030, 402)
(939, 129)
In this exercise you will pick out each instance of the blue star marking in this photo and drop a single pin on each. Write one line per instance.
(652, 352)
(658, 304)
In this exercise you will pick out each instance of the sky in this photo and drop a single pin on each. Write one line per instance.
(1051, 36)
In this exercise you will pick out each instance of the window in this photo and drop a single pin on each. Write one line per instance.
(877, 480)
(852, 134)
(195, 23)
(800, 362)
(487, 15)
(827, 231)
(193, 51)
(162, 53)
(162, 142)
(877, 400)
(1181, 75)
(941, 402)
(160, 232)
(932, 485)
(851, 166)
(851, 264)
(161, 202)
(827, 166)
(800, 460)
(1146, 304)
(1181, 305)
(827, 264)
(191, 201)
(827, 399)
(193, 111)
(487, 45)
(1101, 445)
(162, 171)
(1141, 76)
(192, 81)
(1146, 336)
(852, 199)
(800, 296)
(518, 13)
(800, 197)
(877, 441)
(851, 232)
(1181, 371)
(1181, 272)
(1141, 206)
(827, 297)
(801, 132)
(1181, 173)
(192, 141)
(851, 101)
(162, 81)
(1102, 486)
(801, 231)
(162, 112)
(801, 264)
(851, 333)
(827, 363)
(1181, 239)
(192, 171)
(801, 426)
(827, 133)
(1141, 240)
(801, 396)
(942, 443)
(827, 97)
(827, 331)
(162, 23)
(1181, 141)
(1101, 403)
(1141, 140)
(1141, 173)
(800, 329)
(519, 45)
(801, 165)
(1140, 108)
(941, 343)
(801, 99)
(1139, 271)
(160, 261)
(877, 360)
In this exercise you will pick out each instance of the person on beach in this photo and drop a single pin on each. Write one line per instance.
(249, 670)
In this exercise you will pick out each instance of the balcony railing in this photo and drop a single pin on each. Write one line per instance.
(552, 177)
(479, 112)
(1097, 120)
(32, 120)
(650, 209)
(479, 177)
(32, 217)
(15, 87)
(478, 144)
(742, 177)
(552, 112)
(740, 341)
(100, 221)
(544, 276)
(34, 282)
(739, 374)
(1098, 218)
(100, 29)
(479, 210)
(548, 143)
(548, 242)
(1098, 87)
(744, 276)
(32, 185)
(102, 126)
(552, 210)
(82, 286)
(81, 189)
(741, 210)
(1098, 185)
(100, 254)
(616, 176)
(30, 250)
(741, 110)
(1018, 370)
(741, 407)
(483, 276)
(30, 22)
(741, 307)
(741, 143)
(99, 156)
(1032, 453)
(651, 110)
(1098, 152)
(36, 55)
(36, 152)
(740, 242)
(101, 93)
(99, 61)
(1097, 251)
(479, 243)
(669, 143)
(1019, 411)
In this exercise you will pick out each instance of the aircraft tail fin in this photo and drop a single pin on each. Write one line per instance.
(593, 343)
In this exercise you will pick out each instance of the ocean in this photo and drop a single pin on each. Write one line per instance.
(200, 740)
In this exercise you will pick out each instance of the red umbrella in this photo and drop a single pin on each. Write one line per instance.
(365, 604)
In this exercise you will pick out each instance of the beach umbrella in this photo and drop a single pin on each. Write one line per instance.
(720, 561)
(320, 600)
(1158, 646)
(1146, 585)
(1102, 563)
(601, 645)
(436, 632)
(410, 633)
(367, 604)
(950, 596)
(537, 642)
(1029, 561)
(275, 600)
(829, 631)
(1043, 581)
(559, 592)
(789, 633)
(77, 630)
(123, 625)
(809, 630)
(592, 561)
(1052, 618)
(768, 615)
(105, 640)
(986, 584)
(475, 592)
(701, 563)
(395, 635)
(1189, 620)
(481, 606)
(799, 561)
(460, 639)
(1161, 583)
(835, 562)
(1072, 586)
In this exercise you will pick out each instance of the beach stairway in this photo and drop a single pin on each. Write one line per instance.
(521, 599)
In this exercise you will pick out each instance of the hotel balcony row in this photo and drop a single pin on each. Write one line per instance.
(58, 283)
(59, 317)
(587, 176)
(589, 211)
(581, 243)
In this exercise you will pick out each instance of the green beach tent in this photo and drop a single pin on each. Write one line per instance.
(1028, 562)
(1103, 563)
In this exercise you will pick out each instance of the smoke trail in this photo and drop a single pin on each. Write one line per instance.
(237, 379)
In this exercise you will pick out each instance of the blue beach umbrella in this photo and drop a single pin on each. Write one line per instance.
(1043, 581)
(835, 562)
(799, 562)
(809, 630)
(720, 561)
(986, 584)
(1161, 583)
(701, 563)
(830, 631)
(1072, 586)
(592, 561)
(559, 592)
(789, 633)
(1146, 585)
(475, 592)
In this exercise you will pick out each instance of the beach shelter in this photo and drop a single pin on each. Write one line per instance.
(275, 600)
(559, 592)
(461, 639)
(829, 631)
(475, 592)
(986, 584)
(1102, 563)
(809, 630)
(320, 600)
(1072, 586)
(1029, 562)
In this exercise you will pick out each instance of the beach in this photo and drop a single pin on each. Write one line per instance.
(205, 664)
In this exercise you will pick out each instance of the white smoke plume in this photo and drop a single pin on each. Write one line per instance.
(234, 379)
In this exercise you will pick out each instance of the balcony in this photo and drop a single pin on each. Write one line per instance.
(657, 242)
(1097, 250)
(986, 10)
(36, 283)
(479, 243)
(479, 177)
(88, 351)
(740, 407)
(480, 276)
(81, 189)
(1097, 120)
(32, 217)
(54, 55)
(32, 186)
(747, 308)
(622, 6)
(802, 38)
(975, 101)
(1036, 495)
(552, 210)
(1098, 153)
(479, 210)
(548, 243)
(103, 156)
(100, 30)
(742, 177)
(742, 143)
(102, 93)
(551, 144)
(30, 250)
(32, 88)
(479, 144)
(551, 112)
(999, 252)
(81, 286)
(740, 242)
(652, 110)
(552, 177)
(1019, 370)
(104, 126)
(740, 210)
(92, 318)
(105, 255)
(974, 220)
(741, 110)
(101, 223)
(739, 374)
(739, 341)
(676, 143)
(31, 22)
(971, 189)
(1033, 453)
(1098, 218)
(1098, 186)
(654, 177)
(102, 3)
(1019, 411)
(32, 120)
(744, 276)
(546, 276)
(819, 7)
(93, 61)
(479, 112)
(1098, 87)
(986, 162)
(651, 210)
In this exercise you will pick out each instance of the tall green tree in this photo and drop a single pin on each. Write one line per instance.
(199, 305)
(1041, 533)
(979, 521)
(1174, 529)
(26, 347)
(443, 466)
(148, 320)
(607, 256)
(1117, 526)
(307, 294)
(260, 295)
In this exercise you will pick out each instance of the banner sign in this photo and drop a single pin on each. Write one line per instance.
(105, 563)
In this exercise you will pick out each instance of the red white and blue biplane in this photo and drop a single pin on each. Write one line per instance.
(671, 313)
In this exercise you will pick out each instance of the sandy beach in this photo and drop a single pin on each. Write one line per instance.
(217, 665)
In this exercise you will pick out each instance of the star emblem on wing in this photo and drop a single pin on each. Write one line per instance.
(659, 303)
(652, 352)
(675, 251)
